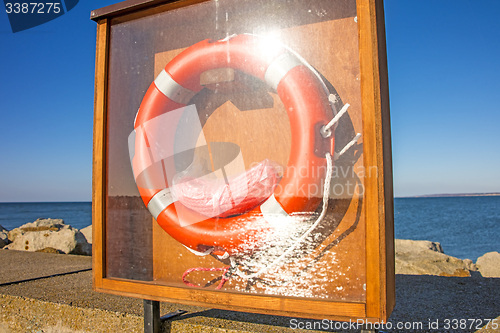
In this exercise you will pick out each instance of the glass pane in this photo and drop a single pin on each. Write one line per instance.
(233, 163)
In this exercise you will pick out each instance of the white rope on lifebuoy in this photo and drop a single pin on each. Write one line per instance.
(347, 146)
(326, 196)
(326, 130)
(326, 190)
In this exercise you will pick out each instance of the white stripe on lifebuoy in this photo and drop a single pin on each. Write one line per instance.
(279, 68)
(160, 201)
(131, 145)
(272, 208)
(177, 93)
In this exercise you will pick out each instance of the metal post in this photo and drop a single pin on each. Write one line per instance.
(151, 316)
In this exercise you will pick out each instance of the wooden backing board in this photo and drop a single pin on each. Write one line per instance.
(265, 133)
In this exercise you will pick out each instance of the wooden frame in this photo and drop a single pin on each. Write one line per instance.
(378, 202)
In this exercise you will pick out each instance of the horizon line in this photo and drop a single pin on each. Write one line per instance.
(438, 195)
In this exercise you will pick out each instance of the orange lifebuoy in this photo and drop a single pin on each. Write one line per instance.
(306, 102)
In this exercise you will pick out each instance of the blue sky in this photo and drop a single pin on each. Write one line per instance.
(444, 87)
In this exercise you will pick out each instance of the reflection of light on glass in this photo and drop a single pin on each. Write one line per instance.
(270, 34)
(269, 42)
(170, 151)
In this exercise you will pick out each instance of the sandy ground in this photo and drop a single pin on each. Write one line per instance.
(423, 302)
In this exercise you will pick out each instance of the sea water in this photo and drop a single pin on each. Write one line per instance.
(466, 227)
(76, 214)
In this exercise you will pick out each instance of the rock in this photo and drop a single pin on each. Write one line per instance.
(427, 258)
(489, 264)
(4, 237)
(40, 224)
(408, 245)
(87, 232)
(49, 235)
(470, 265)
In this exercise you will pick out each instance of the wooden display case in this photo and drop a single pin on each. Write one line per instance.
(345, 268)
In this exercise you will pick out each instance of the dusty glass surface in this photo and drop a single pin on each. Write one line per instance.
(237, 126)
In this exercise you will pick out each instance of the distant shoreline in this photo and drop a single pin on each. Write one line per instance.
(453, 195)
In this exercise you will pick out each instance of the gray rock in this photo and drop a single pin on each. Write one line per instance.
(87, 232)
(82, 246)
(86, 247)
(4, 237)
(489, 264)
(50, 234)
(427, 258)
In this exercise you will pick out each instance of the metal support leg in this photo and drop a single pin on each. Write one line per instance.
(151, 316)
